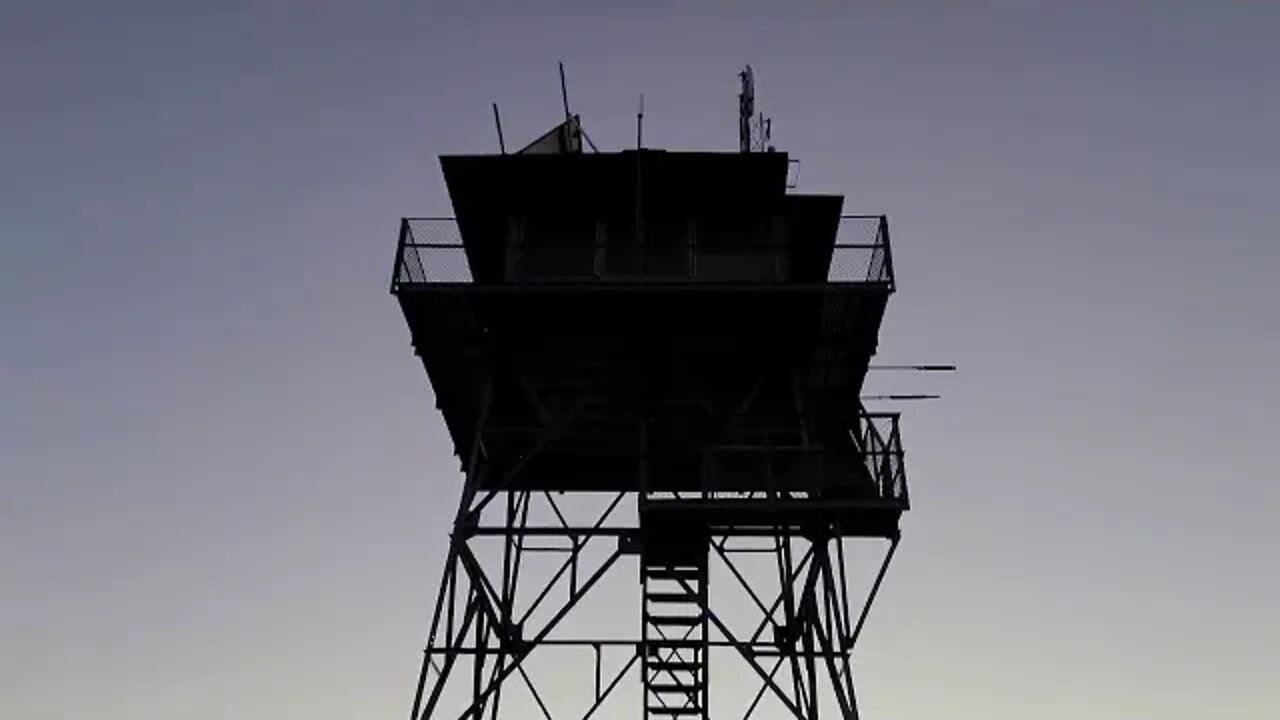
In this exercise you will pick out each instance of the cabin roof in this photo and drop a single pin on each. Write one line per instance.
(680, 184)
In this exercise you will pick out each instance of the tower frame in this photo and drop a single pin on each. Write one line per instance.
(786, 463)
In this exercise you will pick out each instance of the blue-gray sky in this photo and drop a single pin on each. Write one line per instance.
(225, 486)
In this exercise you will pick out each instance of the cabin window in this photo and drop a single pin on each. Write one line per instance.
(666, 249)
(623, 255)
(739, 250)
(554, 249)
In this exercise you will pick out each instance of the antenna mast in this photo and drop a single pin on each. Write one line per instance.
(564, 94)
(497, 121)
(751, 139)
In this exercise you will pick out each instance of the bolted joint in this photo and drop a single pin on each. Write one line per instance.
(784, 636)
(513, 632)
(466, 526)
(630, 543)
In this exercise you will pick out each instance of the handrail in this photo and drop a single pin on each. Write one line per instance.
(606, 244)
(874, 462)
(452, 218)
(878, 444)
(864, 259)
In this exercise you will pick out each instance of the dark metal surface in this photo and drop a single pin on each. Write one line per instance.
(693, 368)
(487, 621)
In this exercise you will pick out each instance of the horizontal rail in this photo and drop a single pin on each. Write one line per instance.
(760, 648)
(602, 245)
(431, 250)
(868, 468)
(872, 468)
(450, 218)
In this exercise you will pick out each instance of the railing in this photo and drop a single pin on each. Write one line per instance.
(861, 252)
(870, 471)
(881, 443)
(430, 251)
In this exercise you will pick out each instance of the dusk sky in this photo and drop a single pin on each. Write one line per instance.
(227, 491)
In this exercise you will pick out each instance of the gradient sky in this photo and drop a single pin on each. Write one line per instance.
(225, 486)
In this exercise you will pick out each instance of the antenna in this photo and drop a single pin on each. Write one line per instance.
(758, 138)
(497, 120)
(572, 126)
(915, 368)
(932, 367)
(640, 124)
(564, 94)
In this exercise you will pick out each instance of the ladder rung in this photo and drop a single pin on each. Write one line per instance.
(655, 643)
(671, 597)
(674, 620)
(675, 688)
(674, 665)
(672, 573)
(674, 711)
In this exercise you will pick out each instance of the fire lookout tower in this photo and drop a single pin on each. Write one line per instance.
(679, 343)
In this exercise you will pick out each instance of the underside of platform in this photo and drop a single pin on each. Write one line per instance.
(652, 377)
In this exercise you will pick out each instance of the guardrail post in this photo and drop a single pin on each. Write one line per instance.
(395, 271)
(900, 472)
(888, 252)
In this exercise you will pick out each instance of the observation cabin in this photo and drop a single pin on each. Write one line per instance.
(679, 325)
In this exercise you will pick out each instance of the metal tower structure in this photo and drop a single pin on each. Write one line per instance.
(650, 365)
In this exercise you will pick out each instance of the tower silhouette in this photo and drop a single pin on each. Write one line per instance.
(650, 365)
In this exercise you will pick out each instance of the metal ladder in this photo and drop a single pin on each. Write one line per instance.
(675, 640)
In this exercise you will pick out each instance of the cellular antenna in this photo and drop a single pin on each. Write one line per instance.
(759, 137)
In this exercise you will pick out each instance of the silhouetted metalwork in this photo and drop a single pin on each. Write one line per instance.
(668, 381)
(757, 137)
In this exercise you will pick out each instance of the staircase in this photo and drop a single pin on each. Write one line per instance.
(675, 637)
